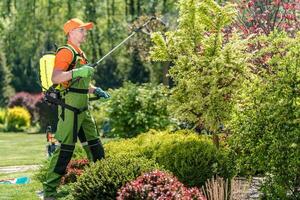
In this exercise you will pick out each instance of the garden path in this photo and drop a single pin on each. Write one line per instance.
(20, 168)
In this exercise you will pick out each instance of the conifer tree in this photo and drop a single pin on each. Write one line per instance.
(208, 69)
(5, 78)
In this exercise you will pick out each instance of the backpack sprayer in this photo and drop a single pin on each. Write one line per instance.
(52, 94)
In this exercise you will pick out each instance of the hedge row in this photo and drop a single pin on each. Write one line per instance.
(192, 158)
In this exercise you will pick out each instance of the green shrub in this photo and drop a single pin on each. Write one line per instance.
(266, 126)
(17, 119)
(2, 115)
(135, 109)
(98, 111)
(190, 157)
(122, 147)
(103, 179)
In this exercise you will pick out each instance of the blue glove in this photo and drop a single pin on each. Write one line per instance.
(100, 93)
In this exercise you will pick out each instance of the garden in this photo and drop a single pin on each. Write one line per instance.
(203, 102)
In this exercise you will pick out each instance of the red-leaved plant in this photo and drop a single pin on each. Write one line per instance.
(26, 100)
(158, 185)
(261, 17)
(74, 169)
(264, 16)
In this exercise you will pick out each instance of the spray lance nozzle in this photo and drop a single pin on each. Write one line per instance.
(138, 29)
(145, 24)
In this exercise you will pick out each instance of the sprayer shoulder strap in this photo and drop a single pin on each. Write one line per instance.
(75, 55)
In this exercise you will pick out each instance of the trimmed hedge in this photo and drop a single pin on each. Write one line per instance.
(2, 115)
(103, 179)
(17, 119)
(190, 157)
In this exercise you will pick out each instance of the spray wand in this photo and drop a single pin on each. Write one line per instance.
(138, 29)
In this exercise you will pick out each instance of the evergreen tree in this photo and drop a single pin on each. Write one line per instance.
(138, 73)
(208, 70)
(5, 80)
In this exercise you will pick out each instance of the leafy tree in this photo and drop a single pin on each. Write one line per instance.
(208, 70)
(30, 28)
(266, 124)
(6, 90)
(24, 40)
(138, 73)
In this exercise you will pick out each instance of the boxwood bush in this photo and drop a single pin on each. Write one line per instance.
(192, 160)
(2, 115)
(103, 179)
(190, 157)
(17, 119)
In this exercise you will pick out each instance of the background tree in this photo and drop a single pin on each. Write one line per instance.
(33, 27)
(6, 90)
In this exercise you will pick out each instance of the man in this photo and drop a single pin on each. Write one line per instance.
(73, 75)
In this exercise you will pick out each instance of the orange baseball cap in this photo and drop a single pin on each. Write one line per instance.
(76, 23)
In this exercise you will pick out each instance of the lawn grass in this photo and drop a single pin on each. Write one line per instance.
(20, 192)
(22, 149)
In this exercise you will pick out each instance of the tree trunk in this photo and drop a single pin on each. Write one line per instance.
(165, 73)
(216, 140)
(138, 7)
(131, 9)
